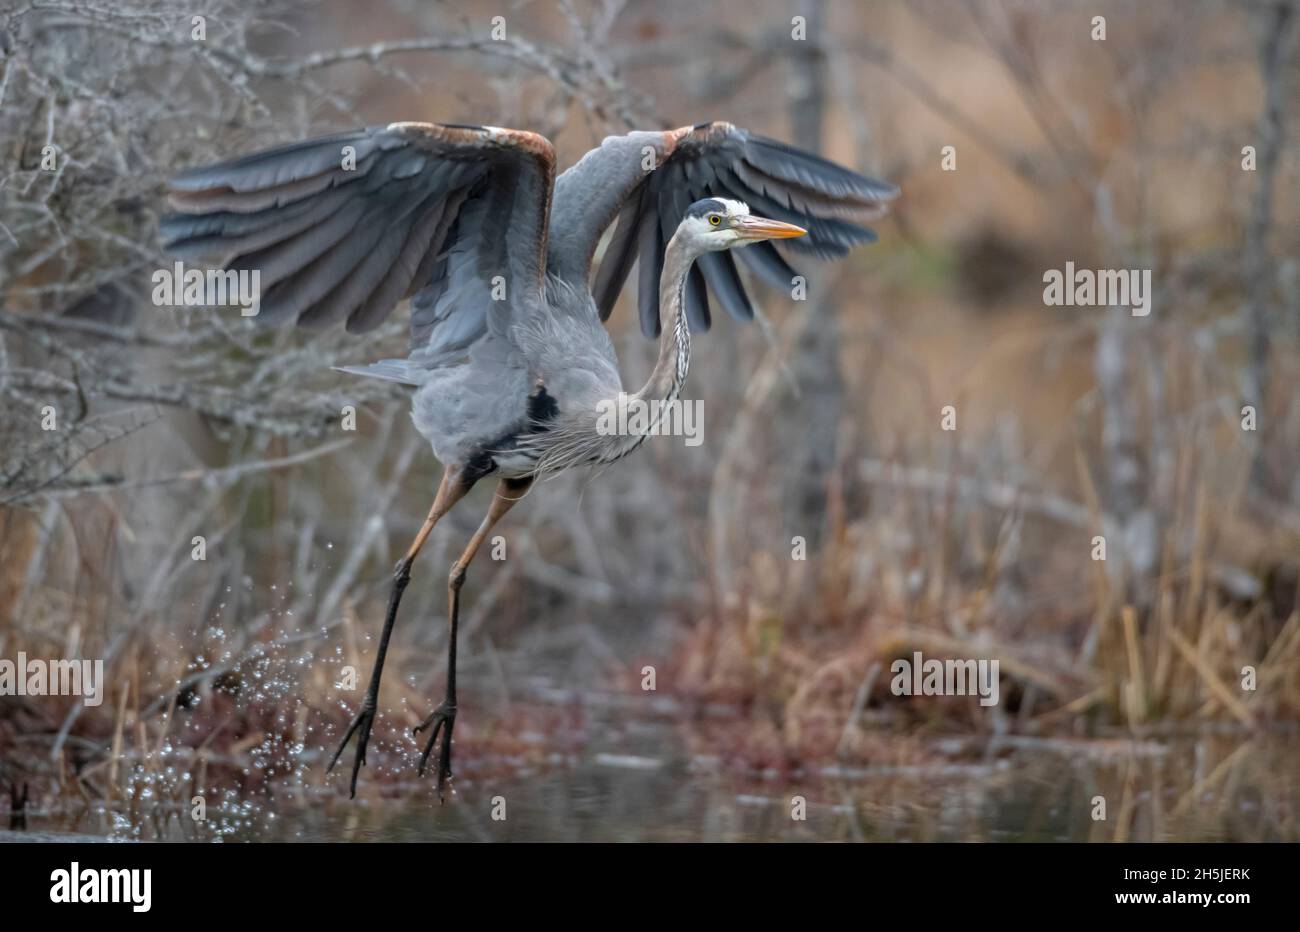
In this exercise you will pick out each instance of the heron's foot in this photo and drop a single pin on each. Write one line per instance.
(361, 728)
(442, 720)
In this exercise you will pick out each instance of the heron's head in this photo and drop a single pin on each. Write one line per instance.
(716, 223)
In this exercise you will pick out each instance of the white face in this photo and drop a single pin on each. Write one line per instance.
(733, 225)
(720, 229)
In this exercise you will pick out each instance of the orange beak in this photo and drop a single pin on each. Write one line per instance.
(762, 228)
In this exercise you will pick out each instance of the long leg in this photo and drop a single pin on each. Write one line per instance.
(451, 490)
(443, 718)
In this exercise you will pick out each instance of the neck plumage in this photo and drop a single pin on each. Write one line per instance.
(580, 440)
(665, 381)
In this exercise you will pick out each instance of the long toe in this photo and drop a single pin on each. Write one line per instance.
(361, 728)
(444, 762)
(439, 721)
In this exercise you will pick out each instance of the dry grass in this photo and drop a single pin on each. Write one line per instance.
(224, 675)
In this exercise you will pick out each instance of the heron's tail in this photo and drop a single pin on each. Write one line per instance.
(390, 370)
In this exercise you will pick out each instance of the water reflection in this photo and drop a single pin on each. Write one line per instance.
(1028, 796)
(1208, 789)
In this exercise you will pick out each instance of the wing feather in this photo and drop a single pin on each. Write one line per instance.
(344, 226)
(651, 251)
(619, 254)
(631, 176)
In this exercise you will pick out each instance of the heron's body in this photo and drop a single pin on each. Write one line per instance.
(559, 361)
(509, 357)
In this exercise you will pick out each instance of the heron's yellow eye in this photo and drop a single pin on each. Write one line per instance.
(714, 220)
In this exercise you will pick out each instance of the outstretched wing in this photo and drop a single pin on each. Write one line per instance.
(648, 180)
(345, 226)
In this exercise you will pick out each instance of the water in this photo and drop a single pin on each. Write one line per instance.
(1025, 796)
(633, 780)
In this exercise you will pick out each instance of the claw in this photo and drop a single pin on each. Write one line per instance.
(444, 715)
(361, 727)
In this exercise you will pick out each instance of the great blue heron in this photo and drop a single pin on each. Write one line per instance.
(509, 355)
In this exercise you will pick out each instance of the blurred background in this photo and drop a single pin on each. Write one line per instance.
(1163, 680)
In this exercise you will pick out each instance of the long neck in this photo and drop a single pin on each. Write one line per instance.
(674, 360)
(576, 443)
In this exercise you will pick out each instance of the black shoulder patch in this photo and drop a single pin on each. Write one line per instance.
(541, 408)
